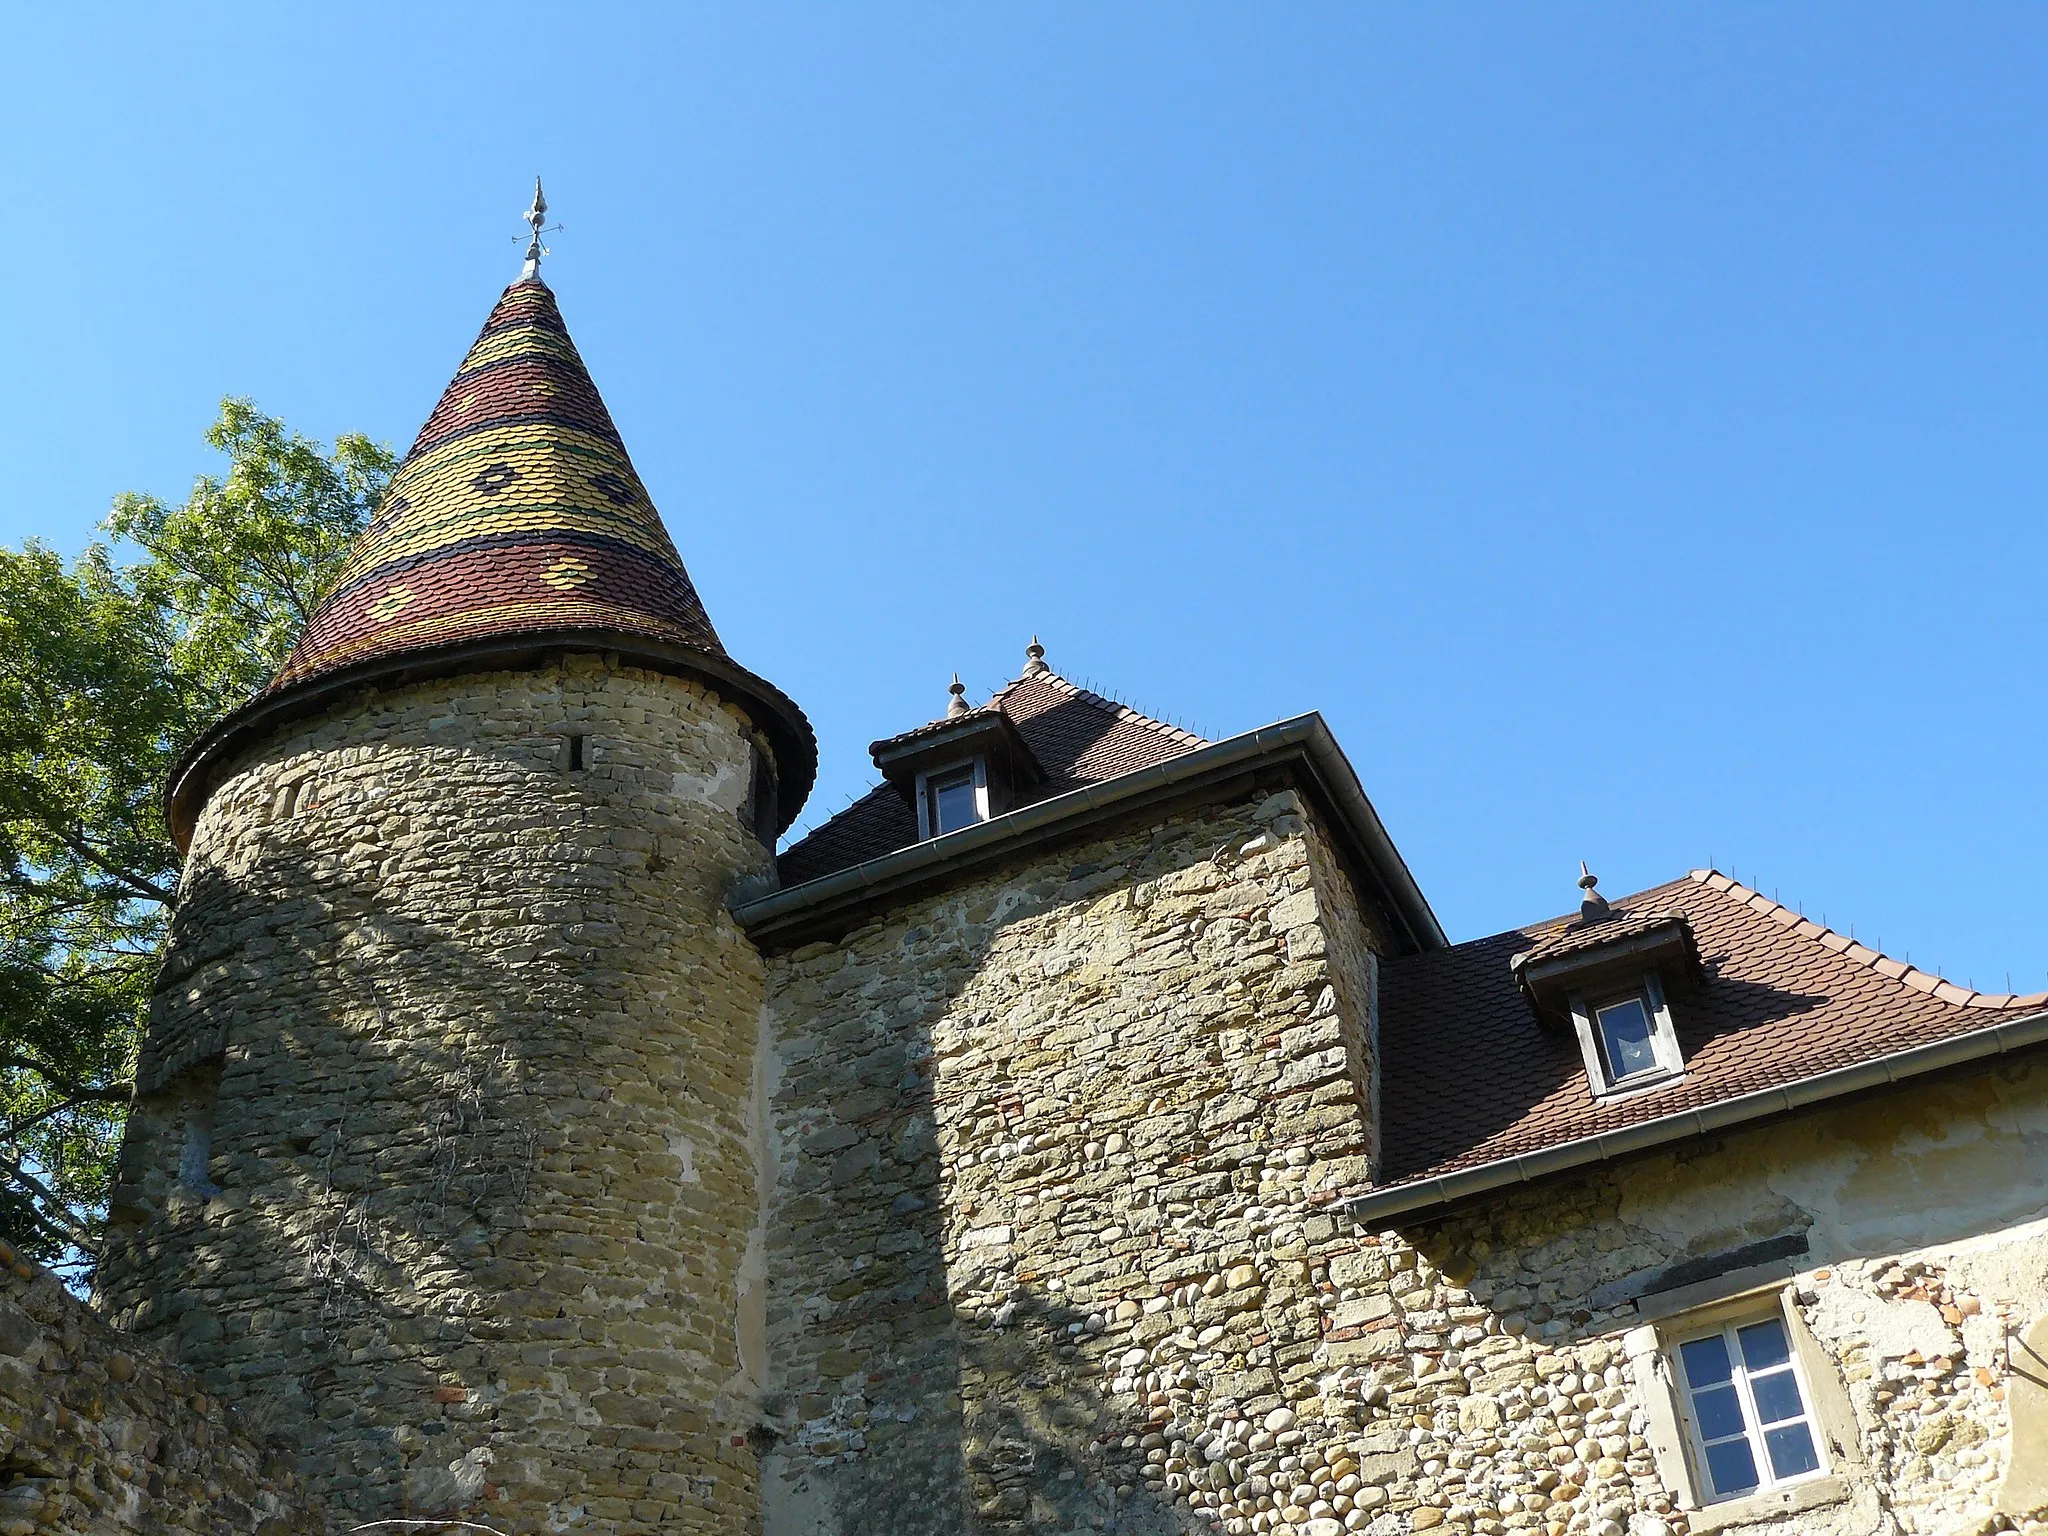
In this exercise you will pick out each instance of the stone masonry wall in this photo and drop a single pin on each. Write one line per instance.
(1505, 1367)
(100, 1437)
(1049, 1154)
(1058, 1243)
(441, 1164)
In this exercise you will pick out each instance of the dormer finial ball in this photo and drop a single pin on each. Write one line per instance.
(958, 704)
(1594, 907)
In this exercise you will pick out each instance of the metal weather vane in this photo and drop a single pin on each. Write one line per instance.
(536, 218)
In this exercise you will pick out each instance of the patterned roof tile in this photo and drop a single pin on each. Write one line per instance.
(517, 518)
(518, 511)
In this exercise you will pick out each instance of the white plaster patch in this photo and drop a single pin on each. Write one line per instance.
(1893, 1329)
(685, 1152)
(726, 788)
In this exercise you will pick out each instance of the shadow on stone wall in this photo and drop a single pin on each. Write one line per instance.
(366, 1178)
(416, 1149)
(943, 1405)
(929, 1402)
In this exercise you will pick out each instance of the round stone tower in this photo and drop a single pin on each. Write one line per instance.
(441, 1162)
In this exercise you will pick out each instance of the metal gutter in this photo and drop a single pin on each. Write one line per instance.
(846, 892)
(1428, 1194)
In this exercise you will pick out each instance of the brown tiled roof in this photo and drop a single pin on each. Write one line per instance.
(1468, 1075)
(933, 727)
(1578, 937)
(1078, 738)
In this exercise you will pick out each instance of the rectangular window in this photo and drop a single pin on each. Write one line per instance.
(952, 801)
(1748, 1408)
(1628, 1038)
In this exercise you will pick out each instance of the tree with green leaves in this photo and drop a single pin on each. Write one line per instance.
(110, 666)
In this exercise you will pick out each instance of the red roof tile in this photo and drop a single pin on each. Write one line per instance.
(1469, 1076)
(1578, 936)
(517, 511)
(1077, 737)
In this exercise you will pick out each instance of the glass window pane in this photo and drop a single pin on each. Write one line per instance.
(953, 803)
(1731, 1468)
(1719, 1412)
(1777, 1396)
(1625, 1029)
(1706, 1360)
(1792, 1450)
(1764, 1344)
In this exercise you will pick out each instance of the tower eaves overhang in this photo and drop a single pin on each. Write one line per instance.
(772, 711)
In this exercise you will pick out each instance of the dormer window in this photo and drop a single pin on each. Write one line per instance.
(959, 771)
(1606, 977)
(952, 798)
(1628, 1040)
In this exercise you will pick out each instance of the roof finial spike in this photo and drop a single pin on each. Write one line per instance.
(535, 217)
(958, 705)
(1593, 908)
(1034, 658)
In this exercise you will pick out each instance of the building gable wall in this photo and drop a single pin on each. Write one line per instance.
(1049, 1149)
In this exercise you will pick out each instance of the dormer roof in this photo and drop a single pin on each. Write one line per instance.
(986, 732)
(1074, 737)
(516, 525)
(1612, 943)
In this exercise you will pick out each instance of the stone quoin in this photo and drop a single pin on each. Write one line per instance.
(1088, 1129)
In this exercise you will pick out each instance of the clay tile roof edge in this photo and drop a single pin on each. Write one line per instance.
(789, 915)
(1433, 1191)
(1858, 952)
(933, 727)
(1052, 679)
(774, 711)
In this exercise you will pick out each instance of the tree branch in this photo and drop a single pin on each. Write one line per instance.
(142, 886)
(14, 1131)
(64, 1229)
(208, 581)
(71, 1088)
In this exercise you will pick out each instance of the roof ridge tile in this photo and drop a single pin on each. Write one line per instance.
(1122, 711)
(1859, 953)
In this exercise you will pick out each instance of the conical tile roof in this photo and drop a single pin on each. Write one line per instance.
(516, 525)
(517, 510)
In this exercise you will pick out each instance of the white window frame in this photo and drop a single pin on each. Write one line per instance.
(1663, 1037)
(925, 780)
(1768, 1481)
(1742, 1297)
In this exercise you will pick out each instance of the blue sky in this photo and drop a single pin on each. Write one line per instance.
(1623, 422)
